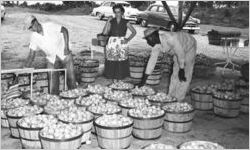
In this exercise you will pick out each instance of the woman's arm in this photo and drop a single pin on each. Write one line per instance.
(65, 33)
(132, 29)
(107, 26)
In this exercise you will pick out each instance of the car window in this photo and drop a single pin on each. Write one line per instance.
(153, 8)
(107, 4)
(161, 9)
(124, 4)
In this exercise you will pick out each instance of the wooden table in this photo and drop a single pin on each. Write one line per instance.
(230, 45)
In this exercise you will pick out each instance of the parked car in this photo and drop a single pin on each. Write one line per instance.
(157, 15)
(105, 10)
(2, 12)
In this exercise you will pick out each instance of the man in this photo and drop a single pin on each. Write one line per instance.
(183, 46)
(53, 39)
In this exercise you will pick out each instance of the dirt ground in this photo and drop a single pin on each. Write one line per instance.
(230, 133)
(82, 29)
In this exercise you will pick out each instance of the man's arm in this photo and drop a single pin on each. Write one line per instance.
(30, 58)
(65, 33)
(153, 59)
(179, 52)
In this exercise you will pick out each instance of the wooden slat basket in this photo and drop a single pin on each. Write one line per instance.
(147, 128)
(114, 137)
(179, 121)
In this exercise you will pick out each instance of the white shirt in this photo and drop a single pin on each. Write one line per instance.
(51, 42)
(175, 43)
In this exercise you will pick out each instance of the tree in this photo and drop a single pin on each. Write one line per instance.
(180, 24)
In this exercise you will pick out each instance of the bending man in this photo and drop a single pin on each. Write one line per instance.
(183, 46)
(53, 39)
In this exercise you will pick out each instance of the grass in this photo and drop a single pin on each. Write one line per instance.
(227, 17)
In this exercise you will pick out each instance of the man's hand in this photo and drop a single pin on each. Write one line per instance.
(66, 51)
(182, 75)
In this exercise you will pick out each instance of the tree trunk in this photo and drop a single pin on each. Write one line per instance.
(169, 11)
(180, 11)
(190, 10)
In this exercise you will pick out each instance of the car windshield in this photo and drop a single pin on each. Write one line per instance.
(124, 4)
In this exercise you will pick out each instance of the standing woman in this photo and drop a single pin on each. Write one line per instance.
(117, 63)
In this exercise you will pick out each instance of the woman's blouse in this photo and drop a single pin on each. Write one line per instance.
(118, 29)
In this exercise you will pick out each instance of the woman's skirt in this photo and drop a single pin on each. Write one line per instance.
(116, 63)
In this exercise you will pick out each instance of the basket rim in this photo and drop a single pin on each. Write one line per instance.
(143, 95)
(151, 118)
(126, 107)
(144, 147)
(82, 122)
(98, 114)
(19, 117)
(27, 103)
(179, 122)
(204, 93)
(201, 101)
(219, 146)
(69, 98)
(59, 140)
(27, 128)
(153, 101)
(112, 128)
(223, 99)
(122, 89)
(185, 112)
(226, 108)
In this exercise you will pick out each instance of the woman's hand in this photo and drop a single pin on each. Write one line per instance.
(125, 41)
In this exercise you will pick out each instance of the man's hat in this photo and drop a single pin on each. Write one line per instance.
(149, 31)
(28, 21)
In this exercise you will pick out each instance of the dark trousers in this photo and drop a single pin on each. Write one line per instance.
(59, 64)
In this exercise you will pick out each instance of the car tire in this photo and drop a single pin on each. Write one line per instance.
(191, 31)
(138, 21)
(144, 23)
(99, 15)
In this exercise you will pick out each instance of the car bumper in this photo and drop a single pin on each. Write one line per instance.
(131, 18)
(191, 28)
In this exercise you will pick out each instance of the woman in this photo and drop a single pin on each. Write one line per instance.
(116, 63)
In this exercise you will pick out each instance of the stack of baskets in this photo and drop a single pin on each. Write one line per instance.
(202, 98)
(204, 67)
(137, 67)
(226, 105)
(242, 87)
(87, 69)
